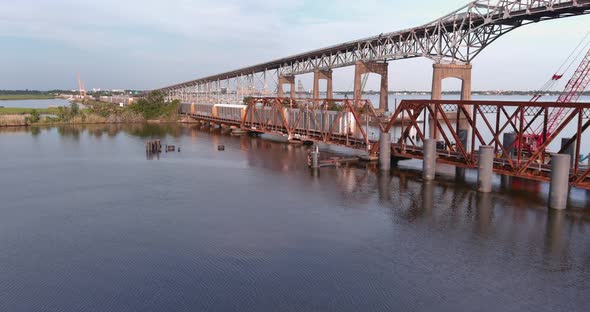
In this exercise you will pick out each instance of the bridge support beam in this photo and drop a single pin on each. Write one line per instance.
(372, 67)
(283, 80)
(444, 71)
(317, 76)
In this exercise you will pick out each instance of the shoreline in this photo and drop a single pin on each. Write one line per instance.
(97, 123)
(25, 98)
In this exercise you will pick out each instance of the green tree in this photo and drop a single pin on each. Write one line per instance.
(75, 109)
(35, 116)
(154, 105)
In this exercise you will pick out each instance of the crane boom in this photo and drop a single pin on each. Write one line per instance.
(572, 92)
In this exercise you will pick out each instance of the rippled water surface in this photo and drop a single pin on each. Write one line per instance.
(89, 223)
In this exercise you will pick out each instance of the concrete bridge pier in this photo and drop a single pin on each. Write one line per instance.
(286, 80)
(372, 67)
(559, 185)
(442, 72)
(485, 170)
(385, 151)
(315, 157)
(429, 161)
(322, 75)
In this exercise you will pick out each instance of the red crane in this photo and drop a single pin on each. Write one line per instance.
(572, 92)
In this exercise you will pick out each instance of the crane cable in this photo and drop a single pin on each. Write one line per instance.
(577, 55)
(564, 67)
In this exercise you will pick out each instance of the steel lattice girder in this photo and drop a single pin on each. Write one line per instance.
(488, 121)
(459, 36)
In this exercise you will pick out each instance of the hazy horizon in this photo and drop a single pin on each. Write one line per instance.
(150, 44)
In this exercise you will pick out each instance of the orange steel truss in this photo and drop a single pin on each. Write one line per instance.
(487, 122)
(307, 119)
(346, 122)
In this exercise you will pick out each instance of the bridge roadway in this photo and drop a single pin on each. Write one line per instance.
(491, 123)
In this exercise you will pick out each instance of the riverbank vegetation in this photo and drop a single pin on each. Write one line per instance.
(152, 107)
(23, 110)
(6, 95)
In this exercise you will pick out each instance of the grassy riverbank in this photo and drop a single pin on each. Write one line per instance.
(153, 107)
(18, 97)
(23, 110)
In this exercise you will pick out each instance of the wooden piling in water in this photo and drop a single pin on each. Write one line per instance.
(153, 146)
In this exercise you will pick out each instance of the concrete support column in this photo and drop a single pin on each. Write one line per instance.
(429, 161)
(283, 80)
(559, 186)
(380, 68)
(443, 71)
(319, 75)
(385, 151)
(508, 141)
(485, 169)
(315, 157)
(571, 150)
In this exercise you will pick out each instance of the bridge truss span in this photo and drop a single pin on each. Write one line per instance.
(487, 123)
(461, 128)
(455, 38)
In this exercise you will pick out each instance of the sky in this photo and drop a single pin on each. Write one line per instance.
(146, 44)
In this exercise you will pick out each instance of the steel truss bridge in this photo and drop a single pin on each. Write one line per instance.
(452, 42)
(305, 120)
(455, 38)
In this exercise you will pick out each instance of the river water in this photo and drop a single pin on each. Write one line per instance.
(89, 223)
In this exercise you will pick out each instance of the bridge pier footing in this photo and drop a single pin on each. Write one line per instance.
(385, 151)
(485, 169)
(429, 161)
(559, 185)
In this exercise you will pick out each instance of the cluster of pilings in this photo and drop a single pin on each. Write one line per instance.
(153, 146)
